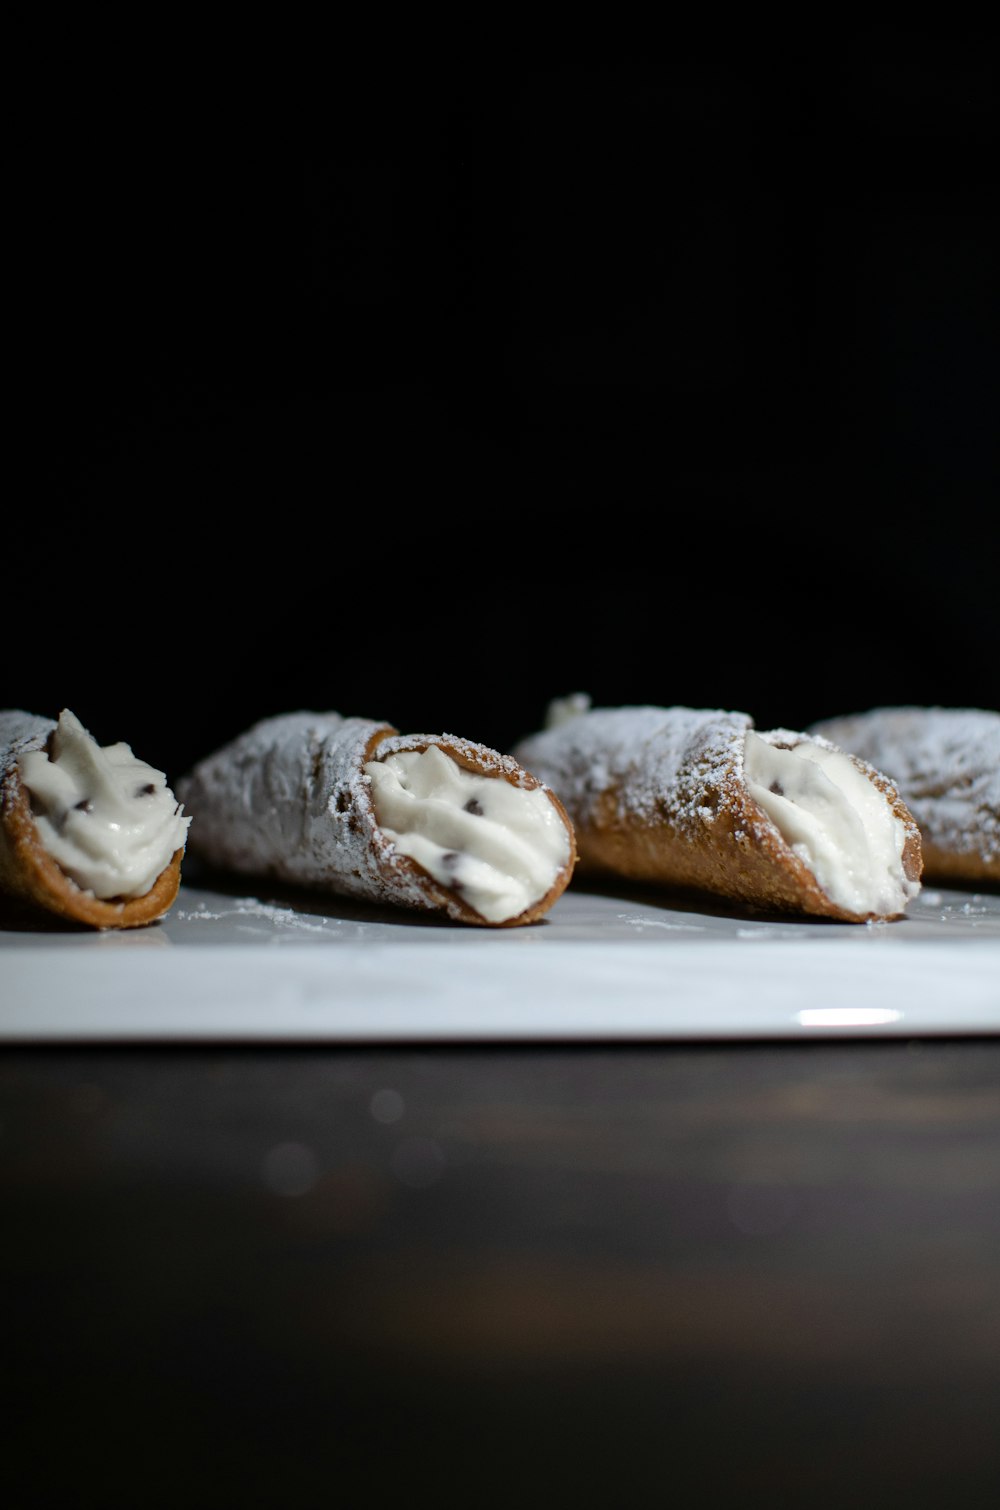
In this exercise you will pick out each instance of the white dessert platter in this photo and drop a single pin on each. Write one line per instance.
(259, 965)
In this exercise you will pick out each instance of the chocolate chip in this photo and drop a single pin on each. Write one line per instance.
(472, 806)
(84, 806)
(146, 791)
(451, 858)
(777, 788)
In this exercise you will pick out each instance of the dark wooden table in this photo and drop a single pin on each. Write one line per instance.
(685, 1275)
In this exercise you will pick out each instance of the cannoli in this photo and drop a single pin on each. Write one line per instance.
(699, 800)
(87, 832)
(946, 765)
(351, 806)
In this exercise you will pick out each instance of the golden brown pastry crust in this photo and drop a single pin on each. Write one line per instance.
(966, 868)
(741, 856)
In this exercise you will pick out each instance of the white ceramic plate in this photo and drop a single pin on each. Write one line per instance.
(259, 966)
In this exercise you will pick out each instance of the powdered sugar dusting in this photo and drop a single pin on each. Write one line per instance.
(287, 799)
(641, 924)
(255, 910)
(19, 733)
(481, 757)
(675, 764)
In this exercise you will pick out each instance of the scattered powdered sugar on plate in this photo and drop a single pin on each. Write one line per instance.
(253, 908)
(640, 923)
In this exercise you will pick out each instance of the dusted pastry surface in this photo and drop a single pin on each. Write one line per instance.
(108, 819)
(287, 797)
(501, 846)
(654, 764)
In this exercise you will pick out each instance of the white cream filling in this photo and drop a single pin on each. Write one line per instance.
(499, 846)
(108, 820)
(837, 822)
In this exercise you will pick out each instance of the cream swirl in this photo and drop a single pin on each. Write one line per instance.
(497, 845)
(108, 819)
(836, 820)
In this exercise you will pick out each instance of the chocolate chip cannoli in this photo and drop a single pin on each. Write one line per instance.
(88, 833)
(946, 764)
(697, 799)
(353, 807)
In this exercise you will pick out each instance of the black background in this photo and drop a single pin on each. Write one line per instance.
(429, 391)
